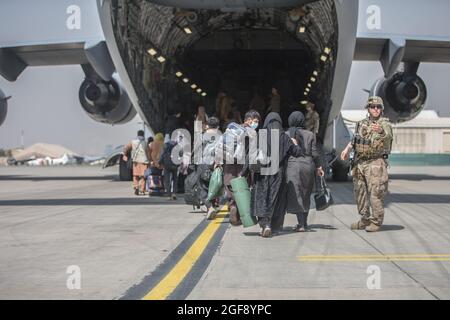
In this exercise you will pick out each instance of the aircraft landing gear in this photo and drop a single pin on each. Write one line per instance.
(340, 171)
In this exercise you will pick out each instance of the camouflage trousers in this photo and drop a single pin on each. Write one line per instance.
(370, 182)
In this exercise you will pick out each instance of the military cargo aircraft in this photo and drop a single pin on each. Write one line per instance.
(153, 55)
(49, 32)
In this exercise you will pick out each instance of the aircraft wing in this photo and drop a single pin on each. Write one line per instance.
(423, 50)
(409, 31)
(46, 32)
(395, 32)
(63, 32)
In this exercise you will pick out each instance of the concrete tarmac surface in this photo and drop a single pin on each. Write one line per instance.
(54, 220)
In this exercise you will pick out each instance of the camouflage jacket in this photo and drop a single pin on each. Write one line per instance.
(369, 144)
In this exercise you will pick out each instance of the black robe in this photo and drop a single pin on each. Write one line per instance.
(300, 172)
(268, 201)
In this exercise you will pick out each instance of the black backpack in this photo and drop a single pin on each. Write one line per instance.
(166, 159)
(193, 189)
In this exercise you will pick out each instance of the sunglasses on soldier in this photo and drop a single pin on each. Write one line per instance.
(375, 106)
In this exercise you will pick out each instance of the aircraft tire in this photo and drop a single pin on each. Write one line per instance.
(340, 172)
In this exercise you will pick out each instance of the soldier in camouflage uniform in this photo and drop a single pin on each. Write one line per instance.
(372, 144)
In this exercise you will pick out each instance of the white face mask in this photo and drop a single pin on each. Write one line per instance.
(254, 125)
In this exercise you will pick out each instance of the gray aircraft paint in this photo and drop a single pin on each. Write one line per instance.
(24, 22)
(346, 11)
(105, 17)
(411, 19)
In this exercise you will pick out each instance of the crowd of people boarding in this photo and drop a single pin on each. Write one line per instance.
(208, 184)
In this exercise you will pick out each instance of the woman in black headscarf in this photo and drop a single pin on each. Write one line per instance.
(300, 172)
(268, 201)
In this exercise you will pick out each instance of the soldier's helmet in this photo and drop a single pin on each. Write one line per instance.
(375, 100)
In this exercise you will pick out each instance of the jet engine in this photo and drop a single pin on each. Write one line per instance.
(106, 101)
(3, 107)
(403, 94)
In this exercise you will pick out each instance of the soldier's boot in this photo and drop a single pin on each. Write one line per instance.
(360, 225)
(372, 228)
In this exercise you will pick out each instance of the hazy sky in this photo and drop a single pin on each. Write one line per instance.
(45, 105)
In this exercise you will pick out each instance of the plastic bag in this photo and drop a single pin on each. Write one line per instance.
(232, 142)
(215, 188)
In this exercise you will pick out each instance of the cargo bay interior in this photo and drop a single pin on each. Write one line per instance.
(182, 58)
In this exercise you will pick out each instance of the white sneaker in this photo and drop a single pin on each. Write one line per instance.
(211, 214)
(267, 232)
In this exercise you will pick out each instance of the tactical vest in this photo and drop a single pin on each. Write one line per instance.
(369, 144)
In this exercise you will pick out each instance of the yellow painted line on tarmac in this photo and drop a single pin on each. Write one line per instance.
(374, 257)
(171, 281)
